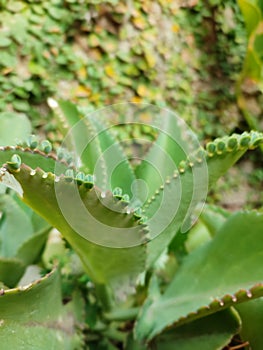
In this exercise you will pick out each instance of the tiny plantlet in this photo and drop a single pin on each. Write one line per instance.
(143, 263)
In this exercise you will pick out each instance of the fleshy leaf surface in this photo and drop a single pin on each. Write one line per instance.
(94, 144)
(32, 317)
(209, 333)
(22, 237)
(215, 276)
(174, 143)
(251, 314)
(15, 226)
(108, 239)
(34, 158)
(170, 209)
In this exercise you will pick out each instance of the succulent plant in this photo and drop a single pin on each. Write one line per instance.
(94, 196)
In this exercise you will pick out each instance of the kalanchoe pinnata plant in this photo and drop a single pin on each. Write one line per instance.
(127, 219)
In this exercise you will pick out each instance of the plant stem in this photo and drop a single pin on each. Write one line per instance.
(115, 335)
(105, 296)
(122, 314)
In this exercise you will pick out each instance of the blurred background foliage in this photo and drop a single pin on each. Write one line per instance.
(187, 55)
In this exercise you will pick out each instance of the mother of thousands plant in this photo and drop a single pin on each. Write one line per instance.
(164, 270)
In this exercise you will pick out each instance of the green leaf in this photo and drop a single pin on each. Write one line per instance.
(15, 6)
(4, 40)
(251, 314)
(94, 144)
(174, 143)
(95, 223)
(33, 317)
(258, 45)
(196, 237)
(8, 60)
(14, 127)
(114, 171)
(18, 29)
(174, 203)
(214, 217)
(252, 65)
(21, 105)
(209, 333)
(30, 251)
(11, 270)
(260, 5)
(15, 226)
(20, 242)
(34, 158)
(215, 276)
(251, 13)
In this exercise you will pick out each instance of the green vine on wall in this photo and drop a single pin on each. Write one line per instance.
(102, 52)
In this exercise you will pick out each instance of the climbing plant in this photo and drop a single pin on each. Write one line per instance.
(185, 54)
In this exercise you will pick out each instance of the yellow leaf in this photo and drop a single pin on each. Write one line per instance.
(95, 97)
(149, 56)
(175, 28)
(139, 22)
(142, 90)
(82, 73)
(82, 91)
(136, 99)
(7, 70)
(110, 71)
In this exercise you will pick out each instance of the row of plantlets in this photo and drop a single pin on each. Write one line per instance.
(145, 264)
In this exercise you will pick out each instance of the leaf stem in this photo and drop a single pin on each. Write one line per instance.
(105, 296)
(122, 314)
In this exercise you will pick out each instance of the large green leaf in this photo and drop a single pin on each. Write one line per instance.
(174, 143)
(93, 143)
(32, 317)
(15, 226)
(172, 206)
(22, 237)
(117, 170)
(108, 238)
(251, 314)
(209, 333)
(221, 273)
